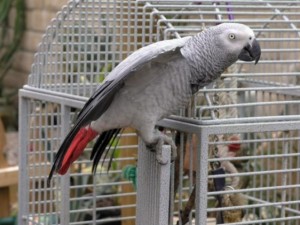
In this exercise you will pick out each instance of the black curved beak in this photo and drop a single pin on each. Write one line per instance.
(251, 53)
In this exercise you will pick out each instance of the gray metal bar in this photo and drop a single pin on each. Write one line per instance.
(153, 185)
(78, 102)
(65, 180)
(193, 126)
(225, 1)
(23, 190)
(201, 178)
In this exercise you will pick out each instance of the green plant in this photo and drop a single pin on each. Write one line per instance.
(9, 46)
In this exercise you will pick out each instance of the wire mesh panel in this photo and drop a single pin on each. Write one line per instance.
(238, 140)
(250, 180)
(82, 44)
(258, 165)
(276, 26)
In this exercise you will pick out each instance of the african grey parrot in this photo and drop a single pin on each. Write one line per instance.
(150, 85)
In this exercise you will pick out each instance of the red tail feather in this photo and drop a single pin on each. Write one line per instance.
(82, 138)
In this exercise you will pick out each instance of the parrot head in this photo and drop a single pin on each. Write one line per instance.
(239, 40)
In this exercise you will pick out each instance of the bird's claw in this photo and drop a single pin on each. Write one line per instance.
(170, 142)
(158, 148)
(160, 159)
(173, 152)
(159, 154)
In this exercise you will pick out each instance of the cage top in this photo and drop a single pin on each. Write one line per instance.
(87, 39)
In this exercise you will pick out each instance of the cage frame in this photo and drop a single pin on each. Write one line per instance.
(185, 125)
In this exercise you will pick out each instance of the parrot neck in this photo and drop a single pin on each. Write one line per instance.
(207, 63)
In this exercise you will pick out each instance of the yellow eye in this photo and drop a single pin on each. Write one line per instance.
(231, 36)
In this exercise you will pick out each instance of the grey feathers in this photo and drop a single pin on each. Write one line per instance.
(154, 81)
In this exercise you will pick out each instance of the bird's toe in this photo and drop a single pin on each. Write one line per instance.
(160, 159)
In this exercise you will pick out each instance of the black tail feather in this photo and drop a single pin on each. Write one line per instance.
(100, 148)
(112, 139)
(98, 143)
(116, 144)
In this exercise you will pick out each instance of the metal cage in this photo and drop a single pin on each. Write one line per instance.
(238, 140)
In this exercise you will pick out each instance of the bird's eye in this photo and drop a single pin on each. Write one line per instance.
(231, 36)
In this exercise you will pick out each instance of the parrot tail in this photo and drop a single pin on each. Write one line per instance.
(106, 139)
(78, 144)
